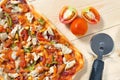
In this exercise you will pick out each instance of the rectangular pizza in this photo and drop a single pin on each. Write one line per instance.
(31, 48)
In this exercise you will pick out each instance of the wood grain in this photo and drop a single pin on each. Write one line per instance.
(110, 24)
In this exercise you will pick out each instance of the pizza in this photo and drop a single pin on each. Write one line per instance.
(31, 48)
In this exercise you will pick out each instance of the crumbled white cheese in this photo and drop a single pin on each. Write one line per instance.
(67, 14)
(14, 2)
(36, 57)
(1, 9)
(70, 64)
(13, 55)
(3, 36)
(16, 9)
(20, 30)
(36, 78)
(48, 31)
(51, 70)
(17, 63)
(38, 27)
(64, 60)
(65, 49)
(29, 16)
(29, 39)
(5, 76)
(1, 47)
(15, 48)
(13, 75)
(2, 22)
(5, 25)
(1, 71)
(16, 28)
(34, 73)
(46, 78)
(34, 41)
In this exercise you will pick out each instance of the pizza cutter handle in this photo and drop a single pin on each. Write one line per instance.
(97, 70)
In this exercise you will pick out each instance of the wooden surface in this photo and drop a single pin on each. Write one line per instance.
(110, 24)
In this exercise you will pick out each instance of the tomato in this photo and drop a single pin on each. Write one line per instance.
(67, 14)
(91, 15)
(79, 26)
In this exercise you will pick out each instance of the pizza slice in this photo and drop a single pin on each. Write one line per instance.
(31, 48)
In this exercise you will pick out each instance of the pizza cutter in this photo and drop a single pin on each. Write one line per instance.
(101, 44)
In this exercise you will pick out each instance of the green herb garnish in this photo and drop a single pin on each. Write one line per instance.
(41, 21)
(31, 67)
(27, 50)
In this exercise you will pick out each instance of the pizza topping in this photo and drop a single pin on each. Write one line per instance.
(65, 49)
(70, 64)
(13, 55)
(51, 69)
(30, 48)
(29, 39)
(3, 36)
(9, 20)
(41, 21)
(13, 32)
(1, 71)
(17, 63)
(16, 9)
(34, 41)
(1, 12)
(24, 35)
(14, 2)
(29, 16)
(48, 34)
(36, 56)
(13, 75)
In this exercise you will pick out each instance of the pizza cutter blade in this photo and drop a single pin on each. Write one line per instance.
(101, 44)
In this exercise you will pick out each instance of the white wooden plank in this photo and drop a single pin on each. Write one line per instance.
(112, 62)
(108, 9)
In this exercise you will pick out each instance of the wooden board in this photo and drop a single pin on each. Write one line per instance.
(110, 24)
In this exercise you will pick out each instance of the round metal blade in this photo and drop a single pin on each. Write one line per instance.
(102, 43)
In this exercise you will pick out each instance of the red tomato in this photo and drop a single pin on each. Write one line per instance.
(67, 14)
(79, 26)
(91, 15)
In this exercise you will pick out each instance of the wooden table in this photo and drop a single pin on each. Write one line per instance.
(110, 24)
